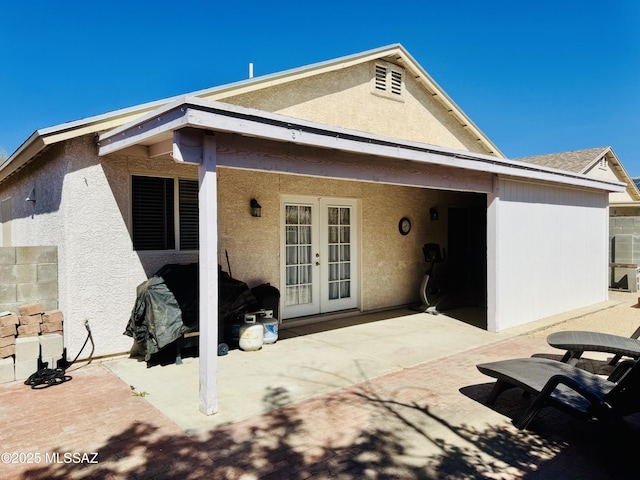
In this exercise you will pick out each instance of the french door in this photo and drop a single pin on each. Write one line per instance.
(319, 255)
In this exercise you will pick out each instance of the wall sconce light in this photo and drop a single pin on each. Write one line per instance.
(256, 209)
(433, 213)
(32, 196)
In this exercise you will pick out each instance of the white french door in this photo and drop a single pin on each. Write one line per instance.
(319, 255)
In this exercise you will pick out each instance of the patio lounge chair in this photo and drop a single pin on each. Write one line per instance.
(568, 388)
(578, 342)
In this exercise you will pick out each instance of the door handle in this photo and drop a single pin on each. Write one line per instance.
(317, 264)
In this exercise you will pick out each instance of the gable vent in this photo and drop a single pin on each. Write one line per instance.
(396, 82)
(388, 80)
(381, 78)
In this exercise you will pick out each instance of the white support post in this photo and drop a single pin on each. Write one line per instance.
(493, 236)
(208, 207)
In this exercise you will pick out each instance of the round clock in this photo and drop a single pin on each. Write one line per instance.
(404, 226)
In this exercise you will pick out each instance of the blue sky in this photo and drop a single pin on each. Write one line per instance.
(536, 77)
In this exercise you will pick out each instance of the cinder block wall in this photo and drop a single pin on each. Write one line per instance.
(624, 244)
(28, 275)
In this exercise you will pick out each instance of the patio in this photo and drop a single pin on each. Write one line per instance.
(397, 408)
(311, 360)
(305, 361)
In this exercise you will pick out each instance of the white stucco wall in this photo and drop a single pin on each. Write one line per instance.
(547, 249)
(83, 207)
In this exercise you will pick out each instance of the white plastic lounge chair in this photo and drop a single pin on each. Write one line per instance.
(568, 388)
(577, 342)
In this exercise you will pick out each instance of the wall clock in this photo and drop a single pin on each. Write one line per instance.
(404, 226)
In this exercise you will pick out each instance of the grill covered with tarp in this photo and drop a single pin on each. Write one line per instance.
(167, 307)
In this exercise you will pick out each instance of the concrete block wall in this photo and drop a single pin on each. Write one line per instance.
(624, 248)
(30, 352)
(28, 275)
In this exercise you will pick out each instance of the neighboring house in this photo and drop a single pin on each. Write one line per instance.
(336, 154)
(599, 162)
(624, 208)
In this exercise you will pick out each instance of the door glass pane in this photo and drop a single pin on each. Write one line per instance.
(292, 255)
(305, 215)
(305, 294)
(333, 216)
(292, 215)
(345, 214)
(292, 235)
(298, 255)
(345, 234)
(345, 289)
(333, 235)
(305, 235)
(345, 271)
(291, 295)
(333, 271)
(334, 290)
(304, 256)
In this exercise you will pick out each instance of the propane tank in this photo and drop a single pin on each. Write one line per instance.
(251, 334)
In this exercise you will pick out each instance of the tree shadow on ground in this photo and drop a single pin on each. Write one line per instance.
(401, 437)
(583, 448)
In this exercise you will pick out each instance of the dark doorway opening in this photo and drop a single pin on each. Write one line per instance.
(467, 264)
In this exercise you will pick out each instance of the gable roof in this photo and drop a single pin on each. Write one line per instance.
(581, 161)
(42, 138)
(577, 161)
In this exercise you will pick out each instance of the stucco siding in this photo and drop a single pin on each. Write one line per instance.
(551, 250)
(83, 207)
(391, 266)
(344, 98)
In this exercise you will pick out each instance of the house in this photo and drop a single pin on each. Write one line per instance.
(339, 155)
(598, 162)
(624, 208)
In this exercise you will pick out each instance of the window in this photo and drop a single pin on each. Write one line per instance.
(164, 213)
(388, 80)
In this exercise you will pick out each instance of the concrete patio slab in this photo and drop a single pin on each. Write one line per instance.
(306, 361)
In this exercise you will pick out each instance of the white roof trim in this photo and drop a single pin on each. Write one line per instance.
(216, 116)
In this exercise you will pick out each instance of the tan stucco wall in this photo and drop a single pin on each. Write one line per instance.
(392, 265)
(343, 98)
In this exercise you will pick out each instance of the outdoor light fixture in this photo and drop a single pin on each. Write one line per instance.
(433, 213)
(256, 209)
